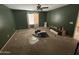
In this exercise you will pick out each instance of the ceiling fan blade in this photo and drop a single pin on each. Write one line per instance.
(39, 8)
(44, 7)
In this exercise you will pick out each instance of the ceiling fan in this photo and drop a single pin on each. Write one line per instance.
(40, 8)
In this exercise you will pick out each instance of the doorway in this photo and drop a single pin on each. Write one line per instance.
(33, 20)
(76, 33)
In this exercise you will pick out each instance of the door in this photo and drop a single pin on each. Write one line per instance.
(76, 33)
(36, 20)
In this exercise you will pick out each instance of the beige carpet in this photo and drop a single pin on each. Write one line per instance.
(23, 42)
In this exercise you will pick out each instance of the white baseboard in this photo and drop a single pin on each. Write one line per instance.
(7, 41)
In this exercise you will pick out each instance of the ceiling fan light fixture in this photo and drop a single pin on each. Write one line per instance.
(39, 8)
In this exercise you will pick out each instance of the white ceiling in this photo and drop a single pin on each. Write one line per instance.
(32, 7)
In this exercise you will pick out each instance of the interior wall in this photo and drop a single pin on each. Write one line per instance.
(65, 16)
(20, 19)
(7, 26)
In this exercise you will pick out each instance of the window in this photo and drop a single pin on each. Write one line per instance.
(30, 19)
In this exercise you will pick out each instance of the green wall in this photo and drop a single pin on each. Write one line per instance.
(42, 18)
(7, 27)
(63, 16)
(20, 19)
